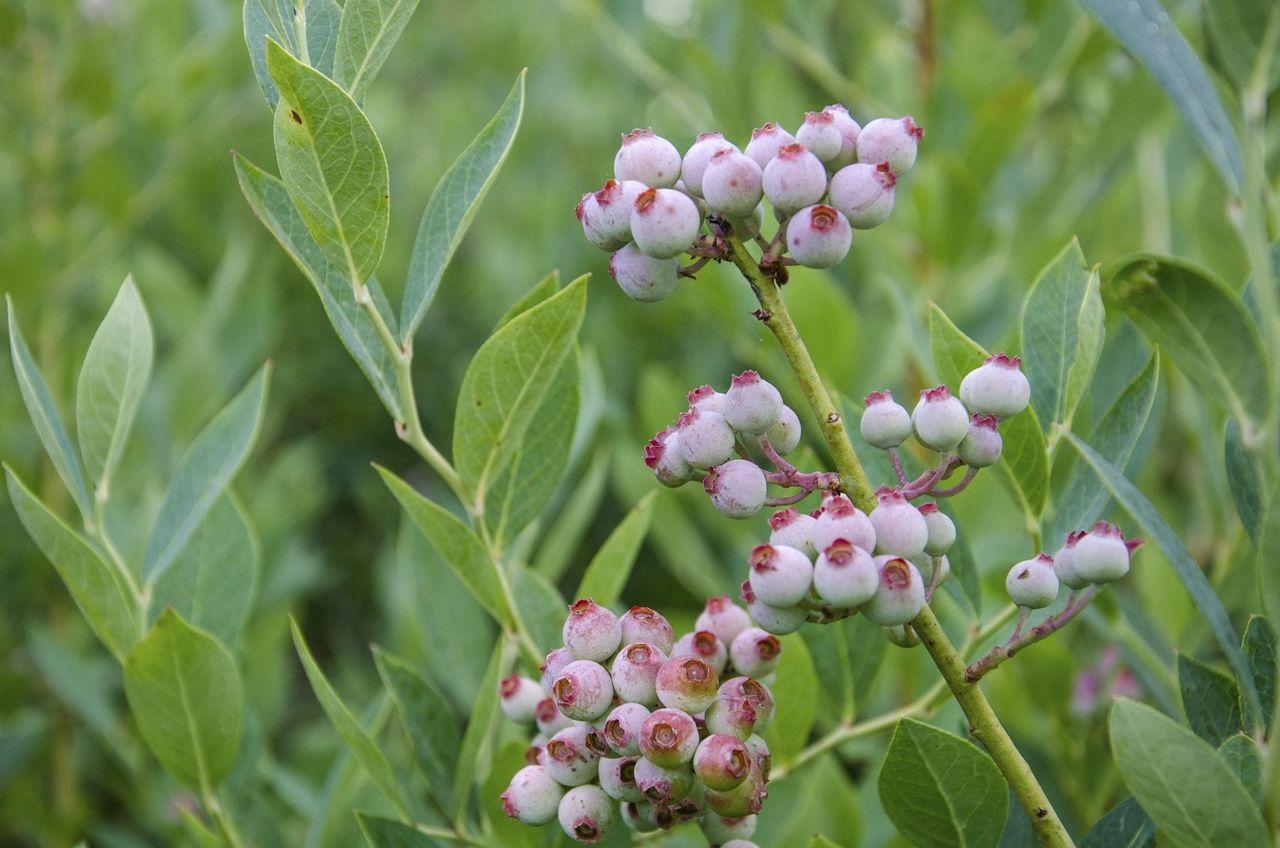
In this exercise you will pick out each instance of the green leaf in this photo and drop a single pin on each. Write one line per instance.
(1114, 438)
(1237, 28)
(270, 202)
(1024, 464)
(44, 415)
(541, 290)
(184, 693)
(332, 164)
(1202, 325)
(1157, 756)
(427, 719)
(1240, 753)
(1061, 335)
(820, 841)
(99, 590)
(542, 607)
(483, 713)
(204, 472)
(506, 383)
(1126, 825)
(1210, 700)
(1148, 32)
(940, 790)
(368, 31)
(1259, 648)
(1244, 480)
(1268, 560)
(385, 833)
(274, 19)
(362, 746)
(453, 204)
(1193, 579)
(212, 581)
(795, 691)
(455, 542)
(611, 566)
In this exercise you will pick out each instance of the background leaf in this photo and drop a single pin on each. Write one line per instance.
(795, 692)
(385, 833)
(1244, 481)
(1259, 648)
(607, 574)
(1237, 28)
(428, 720)
(1126, 825)
(368, 31)
(1210, 700)
(482, 716)
(542, 607)
(1240, 753)
(274, 19)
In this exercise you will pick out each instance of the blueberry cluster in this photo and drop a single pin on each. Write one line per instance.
(639, 726)
(1086, 558)
(829, 178)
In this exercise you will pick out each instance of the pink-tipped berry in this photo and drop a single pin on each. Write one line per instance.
(942, 530)
(780, 576)
(519, 697)
(753, 693)
(706, 439)
(752, 404)
(784, 435)
(864, 193)
(892, 140)
(533, 796)
(840, 519)
(885, 422)
(548, 717)
(794, 179)
(1064, 562)
(900, 528)
(618, 778)
(591, 632)
(792, 528)
(724, 618)
(622, 729)
(845, 575)
(606, 214)
(668, 738)
(996, 387)
(707, 399)
(642, 624)
(819, 236)
(587, 814)
(765, 143)
(568, 757)
(1032, 583)
(755, 653)
(1102, 556)
(721, 762)
(939, 420)
(742, 800)
(687, 683)
(981, 446)
(642, 277)
(704, 645)
(634, 671)
(664, 223)
(737, 488)
(663, 786)
(732, 184)
(900, 595)
(699, 156)
(647, 158)
(662, 454)
(849, 129)
(820, 134)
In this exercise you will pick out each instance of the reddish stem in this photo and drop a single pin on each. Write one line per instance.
(1076, 602)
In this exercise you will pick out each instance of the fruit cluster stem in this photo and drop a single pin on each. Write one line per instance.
(1021, 639)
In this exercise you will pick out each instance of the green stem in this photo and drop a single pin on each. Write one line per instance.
(225, 822)
(448, 835)
(300, 30)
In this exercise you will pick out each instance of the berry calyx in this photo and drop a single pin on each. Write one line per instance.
(899, 596)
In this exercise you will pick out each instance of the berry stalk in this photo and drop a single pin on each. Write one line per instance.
(1019, 640)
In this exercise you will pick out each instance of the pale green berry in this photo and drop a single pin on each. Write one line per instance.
(780, 576)
(840, 519)
(618, 778)
(687, 683)
(900, 528)
(1064, 562)
(663, 455)
(939, 420)
(737, 488)
(642, 277)
(726, 831)
(533, 796)
(635, 671)
(752, 404)
(519, 698)
(997, 387)
(981, 446)
(638, 816)
(885, 423)
(668, 738)
(942, 530)
(662, 786)
(742, 800)
(721, 761)
(1102, 556)
(784, 435)
(1032, 583)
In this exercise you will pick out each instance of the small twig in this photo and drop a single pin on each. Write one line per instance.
(958, 487)
(926, 481)
(933, 579)
(788, 500)
(776, 458)
(1076, 602)
(691, 270)
(896, 458)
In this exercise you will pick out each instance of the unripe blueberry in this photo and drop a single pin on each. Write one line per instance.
(724, 618)
(1032, 583)
(903, 636)
(820, 135)
(647, 158)
(704, 645)
(900, 595)
(699, 156)
(1064, 562)
(737, 488)
(519, 697)
(588, 214)
(885, 422)
(818, 236)
(668, 738)
(551, 667)
(996, 387)
(794, 179)
(765, 143)
(639, 816)
(864, 193)
(793, 529)
(618, 778)
(752, 404)
(662, 786)
(722, 831)
(755, 652)
(784, 435)
(707, 399)
(780, 576)
(939, 420)
(849, 130)
(687, 683)
(925, 564)
(569, 759)
(692, 806)
(606, 214)
(533, 796)
(732, 184)
(622, 729)
(722, 761)
(892, 140)
(634, 671)
(549, 718)
(1102, 556)
(731, 717)
(942, 530)
(845, 576)
(742, 800)
(759, 750)
(642, 624)
(740, 843)
(706, 439)
(900, 528)
(840, 519)
(982, 445)
(664, 223)
(748, 226)
(587, 814)
(753, 693)
(662, 454)
(643, 277)
(583, 691)
(777, 620)
(591, 632)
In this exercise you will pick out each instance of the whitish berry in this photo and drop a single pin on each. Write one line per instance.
(706, 439)
(638, 816)
(660, 785)
(1064, 562)
(777, 620)
(731, 717)
(618, 778)
(939, 420)
(696, 198)
(707, 399)
(647, 158)
(591, 632)
(732, 184)
(642, 624)
(784, 436)
(699, 156)
(533, 796)
(668, 738)
(607, 213)
(892, 140)
(1032, 583)
(849, 130)
(942, 530)
(737, 488)
(900, 528)
(840, 519)
(722, 761)
(687, 683)
(740, 843)
(818, 236)
(752, 404)
(766, 141)
(662, 454)
(583, 691)
(885, 422)
(634, 671)
(759, 750)
(1102, 556)
(704, 645)
(588, 214)
(982, 445)
(820, 135)
(794, 179)
(622, 729)
(549, 718)
(724, 618)
(753, 693)
(555, 662)
(996, 387)
(864, 193)
(742, 800)
(780, 576)
(900, 595)
(722, 831)
(664, 223)
(519, 697)
(642, 277)
(792, 528)
(755, 652)
(568, 757)
(845, 576)
(587, 814)
(926, 564)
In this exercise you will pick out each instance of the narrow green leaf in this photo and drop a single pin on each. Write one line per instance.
(611, 566)
(274, 19)
(1259, 648)
(204, 472)
(941, 791)
(1210, 700)
(385, 833)
(483, 714)
(1268, 560)
(332, 164)
(541, 290)
(362, 746)
(795, 693)
(1156, 756)
(1126, 825)
(542, 607)
(45, 417)
(99, 590)
(1240, 753)
(453, 204)
(828, 648)
(85, 682)
(1192, 577)
(184, 693)
(1244, 480)
(1204, 328)
(427, 719)
(1237, 28)
(1147, 31)
(368, 31)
